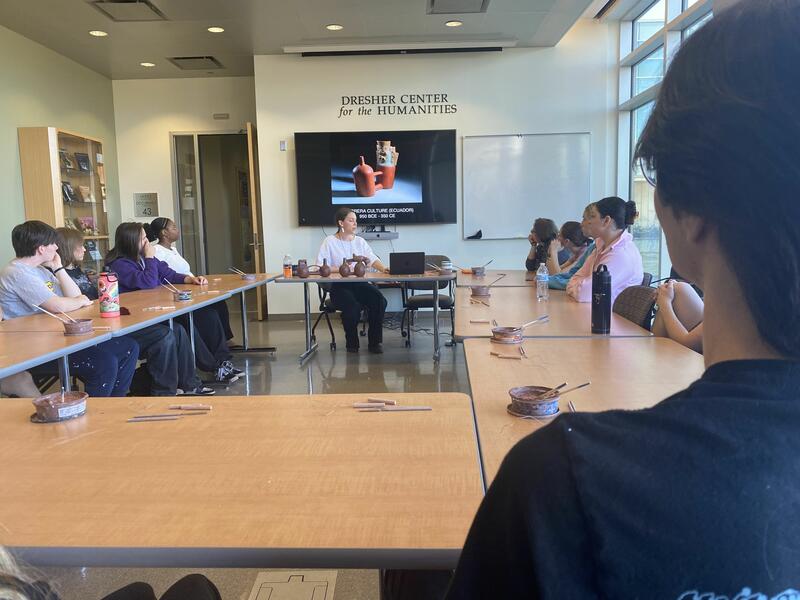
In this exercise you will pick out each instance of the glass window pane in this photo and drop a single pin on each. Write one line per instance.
(649, 22)
(648, 71)
(696, 25)
(688, 3)
(646, 231)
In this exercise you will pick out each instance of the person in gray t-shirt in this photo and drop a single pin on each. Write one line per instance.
(37, 278)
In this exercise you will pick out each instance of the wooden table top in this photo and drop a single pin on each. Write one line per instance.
(21, 350)
(371, 277)
(627, 373)
(260, 480)
(513, 306)
(232, 283)
(512, 278)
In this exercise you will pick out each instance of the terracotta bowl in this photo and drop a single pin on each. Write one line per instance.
(53, 407)
(507, 335)
(79, 327)
(524, 402)
(478, 271)
(182, 296)
(250, 276)
(481, 291)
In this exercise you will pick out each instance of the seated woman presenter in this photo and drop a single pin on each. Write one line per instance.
(133, 259)
(680, 314)
(163, 233)
(544, 245)
(573, 237)
(606, 223)
(350, 298)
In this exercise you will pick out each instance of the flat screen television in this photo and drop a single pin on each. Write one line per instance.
(406, 176)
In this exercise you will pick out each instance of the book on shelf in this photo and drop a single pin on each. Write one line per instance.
(83, 162)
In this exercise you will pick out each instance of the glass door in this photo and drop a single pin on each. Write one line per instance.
(189, 216)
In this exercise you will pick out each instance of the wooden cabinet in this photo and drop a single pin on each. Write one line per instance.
(64, 185)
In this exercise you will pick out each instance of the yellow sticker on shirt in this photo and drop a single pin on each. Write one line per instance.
(50, 285)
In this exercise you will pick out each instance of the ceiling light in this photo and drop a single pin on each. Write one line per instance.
(148, 64)
(98, 33)
(216, 29)
(454, 23)
(334, 27)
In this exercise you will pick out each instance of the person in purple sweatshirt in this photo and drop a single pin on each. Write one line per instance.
(133, 259)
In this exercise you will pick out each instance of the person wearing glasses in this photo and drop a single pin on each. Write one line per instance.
(695, 497)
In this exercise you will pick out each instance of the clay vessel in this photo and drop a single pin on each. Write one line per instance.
(344, 270)
(387, 177)
(360, 269)
(325, 269)
(364, 178)
(302, 268)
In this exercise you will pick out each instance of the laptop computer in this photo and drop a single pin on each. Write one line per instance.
(407, 263)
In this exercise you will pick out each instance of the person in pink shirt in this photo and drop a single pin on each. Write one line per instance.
(606, 221)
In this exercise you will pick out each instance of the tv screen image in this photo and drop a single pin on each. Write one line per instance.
(384, 176)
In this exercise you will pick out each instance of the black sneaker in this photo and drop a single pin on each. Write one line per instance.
(229, 365)
(225, 375)
(353, 349)
(376, 349)
(200, 390)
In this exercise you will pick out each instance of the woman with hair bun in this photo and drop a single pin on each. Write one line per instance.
(606, 222)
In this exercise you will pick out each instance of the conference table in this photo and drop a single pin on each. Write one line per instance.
(432, 277)
(625, 373)
(501, 277)
(514, 306)
(26, 342)
(285, 481)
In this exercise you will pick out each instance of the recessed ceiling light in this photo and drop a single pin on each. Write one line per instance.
(216, 29)
(98, 33)
(148, 64)
(454, 23)
(334, 27)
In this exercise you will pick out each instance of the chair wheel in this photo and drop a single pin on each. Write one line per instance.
(404, 334)
(313, 339)
(333, 345)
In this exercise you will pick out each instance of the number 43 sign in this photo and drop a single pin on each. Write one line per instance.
(145, 204)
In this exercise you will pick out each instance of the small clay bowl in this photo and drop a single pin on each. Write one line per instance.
(182, 296)
(478, 271)
(481, 291)
(79, 327)
(524, 402)
(507, 335)
(53, 408)
(251, 276)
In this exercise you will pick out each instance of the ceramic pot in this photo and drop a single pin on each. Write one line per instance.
(302, 268)
(364, 178)
(344, 270)
(387, 177)
(78, 327)
(360, 269)
(325, 269)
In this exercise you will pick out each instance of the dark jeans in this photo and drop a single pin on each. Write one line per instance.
(224, 317)
(106, 369)
(170, 361)
(349, 299)
(191, 587)
(210, 343)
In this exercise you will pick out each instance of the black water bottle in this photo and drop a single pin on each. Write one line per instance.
(601, 300)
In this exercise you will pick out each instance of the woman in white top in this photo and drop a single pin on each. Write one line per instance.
(350, 298)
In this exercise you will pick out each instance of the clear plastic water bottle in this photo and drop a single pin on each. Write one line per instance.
(287, 266)
(542, 281)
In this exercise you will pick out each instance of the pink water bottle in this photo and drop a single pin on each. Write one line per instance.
(108, 294)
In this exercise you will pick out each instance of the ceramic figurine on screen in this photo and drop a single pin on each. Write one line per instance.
(386, 159)
(364, 178)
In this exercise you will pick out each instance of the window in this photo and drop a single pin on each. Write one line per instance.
(646, 230)
(695, 26)
(688, 3)
(648, 71)
(648, 23)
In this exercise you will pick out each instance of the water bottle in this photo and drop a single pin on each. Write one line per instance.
(287, 266)
(601, 300)
(542, 282)
(108, 294)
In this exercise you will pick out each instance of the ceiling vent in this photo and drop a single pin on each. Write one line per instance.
(457, 7)
(129, 10)
(196, 63)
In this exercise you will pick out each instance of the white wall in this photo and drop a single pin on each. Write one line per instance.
(568, 88)
(42, 88)
(148, 110)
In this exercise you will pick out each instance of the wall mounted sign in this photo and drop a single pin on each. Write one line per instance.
(385, 105)
(145, 204)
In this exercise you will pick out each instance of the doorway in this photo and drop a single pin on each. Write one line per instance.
(216, 204)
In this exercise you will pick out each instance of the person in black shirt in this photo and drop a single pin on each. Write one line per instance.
(697, 497)
(72, 251)
(543, 233)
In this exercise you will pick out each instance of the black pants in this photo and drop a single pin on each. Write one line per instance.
(224, 317)
(170, 362)
(210, 343)
(105, 370)
(349, 299)
(191, 587)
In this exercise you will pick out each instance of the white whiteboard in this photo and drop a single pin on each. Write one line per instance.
(510, 180)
